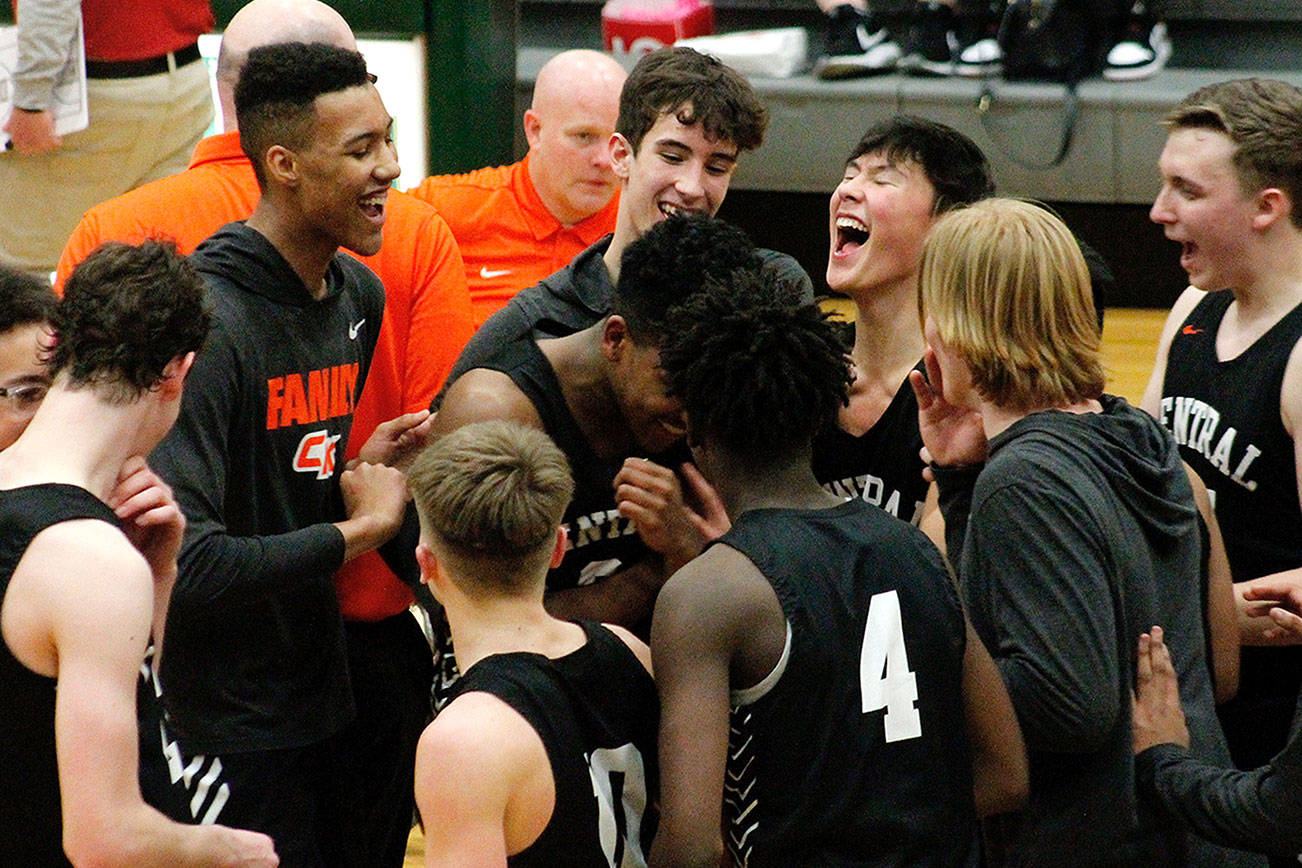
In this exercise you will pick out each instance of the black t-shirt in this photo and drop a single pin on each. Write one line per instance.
(596, 711)
(830, 766)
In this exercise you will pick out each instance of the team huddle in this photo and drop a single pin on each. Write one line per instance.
(705, 583)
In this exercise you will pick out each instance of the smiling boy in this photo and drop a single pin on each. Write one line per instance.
(1227, 380)
(256, 673)
(684, 118)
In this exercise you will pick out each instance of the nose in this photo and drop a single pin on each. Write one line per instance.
(690, 183)
(387, 168)
(1161, 210)
(601, 158)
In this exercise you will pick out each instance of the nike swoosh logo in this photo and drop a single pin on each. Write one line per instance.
(486, 274)
(1191, 330)
(352, 329)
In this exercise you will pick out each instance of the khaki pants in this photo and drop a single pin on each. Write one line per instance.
(141, 129)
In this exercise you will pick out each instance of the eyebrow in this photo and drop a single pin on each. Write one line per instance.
(369, 134)
(675, 143)
(27, 380)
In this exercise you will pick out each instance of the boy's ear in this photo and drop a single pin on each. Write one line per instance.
(562, 543)
(429, 565)
(174, 375)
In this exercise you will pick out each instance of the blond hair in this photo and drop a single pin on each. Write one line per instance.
(1263, 118)
(491, 495)
(1007, 287)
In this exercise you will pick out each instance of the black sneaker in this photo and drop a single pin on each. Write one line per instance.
(1141, 48)
(933, 45)
(856, 45)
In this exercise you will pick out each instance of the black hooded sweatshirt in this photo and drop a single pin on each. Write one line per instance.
(254, 656)
(1082, 534)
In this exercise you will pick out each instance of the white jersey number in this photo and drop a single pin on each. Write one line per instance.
(885, 680)
(619, 783)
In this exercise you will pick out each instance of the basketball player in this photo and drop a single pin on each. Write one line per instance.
(818, 681)
(545, 754)
(1227, 381)
(88, 544)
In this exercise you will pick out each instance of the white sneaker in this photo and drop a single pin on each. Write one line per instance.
(980, 59)
(1139, 55)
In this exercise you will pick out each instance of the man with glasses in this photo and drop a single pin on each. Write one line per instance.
(26, 304)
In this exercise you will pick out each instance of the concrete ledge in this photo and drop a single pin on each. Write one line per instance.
(1113, 156)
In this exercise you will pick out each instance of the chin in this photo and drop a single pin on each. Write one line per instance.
(363, 247)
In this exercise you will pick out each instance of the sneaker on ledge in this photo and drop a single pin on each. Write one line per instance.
(980, 59)
(979, 53)
(856, 45)
(1142, 48)
(932, 42)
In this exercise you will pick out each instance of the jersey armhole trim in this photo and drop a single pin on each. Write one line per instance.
(751, 695)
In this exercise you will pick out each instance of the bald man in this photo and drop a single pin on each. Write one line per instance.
(427, 319)
(517, 224)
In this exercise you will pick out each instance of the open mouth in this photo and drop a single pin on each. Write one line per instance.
(851, 234)
(669, 210)
(373, 206)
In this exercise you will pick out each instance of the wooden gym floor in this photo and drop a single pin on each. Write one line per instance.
(1129, 342)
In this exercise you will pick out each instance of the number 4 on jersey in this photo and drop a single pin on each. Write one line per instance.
(885, 680)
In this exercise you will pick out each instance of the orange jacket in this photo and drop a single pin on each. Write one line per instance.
(427, 313)
(508, 238)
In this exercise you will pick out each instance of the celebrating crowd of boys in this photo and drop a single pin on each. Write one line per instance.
(704, 583)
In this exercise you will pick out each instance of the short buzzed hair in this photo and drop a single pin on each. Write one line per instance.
(492, 494)
(277, 90)
(1263, 118)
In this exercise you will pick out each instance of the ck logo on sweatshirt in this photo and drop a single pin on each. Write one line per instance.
(316, 454)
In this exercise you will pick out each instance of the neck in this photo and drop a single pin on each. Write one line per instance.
(1277, 290)
(582, 372)
(787, 484)
(624, 235)
(78, 439)
(501, 625)
(306, 253)
(887, 334)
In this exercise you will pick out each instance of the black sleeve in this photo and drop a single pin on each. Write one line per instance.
(1042, 603)
(1255, 810)
(216, 569)
(954, 490)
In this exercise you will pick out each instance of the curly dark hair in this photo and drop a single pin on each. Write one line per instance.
(698, 89)
(277, 88)
(757, 372)
(126, 312)
(673, 260)
(24, 299)
(952, 162)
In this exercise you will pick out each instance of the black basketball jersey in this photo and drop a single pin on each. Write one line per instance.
(881, 466)
(858, 753)
(596, 712)
(601, 541)
(31, 817)
(1225, 416)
